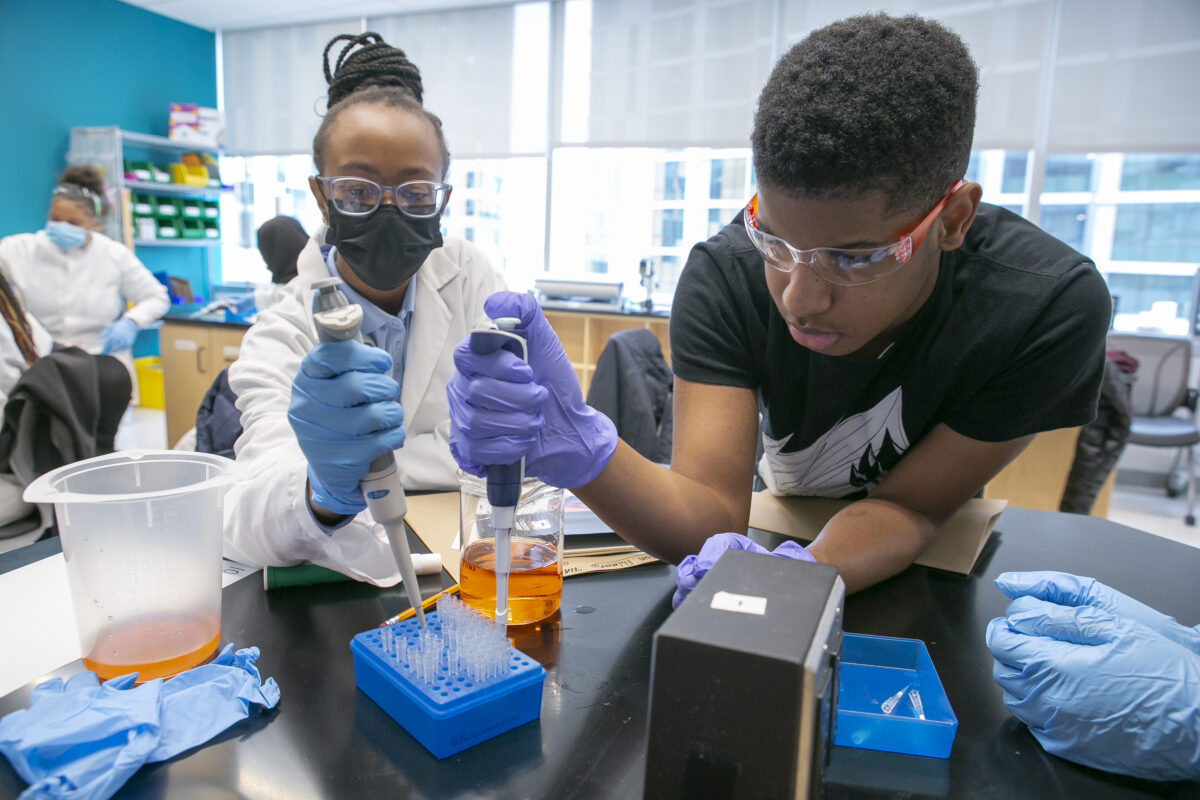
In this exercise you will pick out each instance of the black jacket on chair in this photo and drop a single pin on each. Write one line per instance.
(218, 422)
(632, 385)
(1101, 441)
(51, 416)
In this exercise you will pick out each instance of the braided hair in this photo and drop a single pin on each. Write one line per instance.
(12, 313)
(82, 184)
(377, 73)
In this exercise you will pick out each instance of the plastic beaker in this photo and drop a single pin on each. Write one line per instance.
(141, 536)
(535, 543)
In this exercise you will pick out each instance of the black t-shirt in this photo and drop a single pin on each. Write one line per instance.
(1010, 342)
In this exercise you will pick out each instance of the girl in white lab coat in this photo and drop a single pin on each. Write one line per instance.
(315, 415)
(76, 281)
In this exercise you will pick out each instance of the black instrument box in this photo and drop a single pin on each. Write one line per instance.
(743, 682)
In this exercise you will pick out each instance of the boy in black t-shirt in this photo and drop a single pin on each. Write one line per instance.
(901, 341)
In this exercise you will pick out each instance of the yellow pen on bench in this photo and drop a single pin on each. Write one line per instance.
(425, 606)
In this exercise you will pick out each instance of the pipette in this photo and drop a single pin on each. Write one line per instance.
(503, 480)
(336, 320)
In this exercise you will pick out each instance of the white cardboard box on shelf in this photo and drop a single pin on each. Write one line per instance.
(195, 124)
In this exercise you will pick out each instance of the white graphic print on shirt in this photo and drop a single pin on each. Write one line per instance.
(849, 459)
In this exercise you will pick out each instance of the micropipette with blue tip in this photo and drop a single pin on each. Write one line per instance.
(503, 480)
(337, 320)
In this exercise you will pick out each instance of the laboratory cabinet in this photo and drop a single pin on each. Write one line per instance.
(584, 334)
(193, 353)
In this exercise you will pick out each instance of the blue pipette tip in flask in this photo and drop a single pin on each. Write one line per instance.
(336, 319)
(452, 684)
(503, 480)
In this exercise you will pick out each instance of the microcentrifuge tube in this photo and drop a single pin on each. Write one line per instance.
(889, 705)
(915, 697)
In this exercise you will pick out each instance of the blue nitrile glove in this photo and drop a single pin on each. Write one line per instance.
(345, 415)
(241, 303)
(692, 568)
(502, 409)
(1099, 689)
(1065, 589)
(82, 739)
(118, 336)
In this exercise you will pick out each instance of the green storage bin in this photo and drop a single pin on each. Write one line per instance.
(192, 209)
(168, 228)
(140, 170)
(142, 205)
(212, 209)
(160, 173)
(191, 228)
(212, 229)
(166, 208)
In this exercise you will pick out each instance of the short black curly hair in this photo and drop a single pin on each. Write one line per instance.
(869, 103)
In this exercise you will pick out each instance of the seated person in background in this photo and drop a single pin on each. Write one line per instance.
(23, 341)
(1099, 678)
(77, 281)
(316, 415)
(280, 241)
(902, 341)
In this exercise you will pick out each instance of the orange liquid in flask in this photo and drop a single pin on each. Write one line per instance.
(534, 579)
(152, 648)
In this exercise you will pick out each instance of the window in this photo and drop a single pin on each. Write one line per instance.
(671, 182)
(1157, 232)
(1137, 215)
(1065, 223)
(1015, 166)
(622, 205)
(1068, 173)
(728, 179)
(668, 227)
(1140, 171)
(263, 187)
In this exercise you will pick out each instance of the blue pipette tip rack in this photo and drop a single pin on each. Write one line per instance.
(452, 685)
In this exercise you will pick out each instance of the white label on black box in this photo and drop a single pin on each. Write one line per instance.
(740, 603)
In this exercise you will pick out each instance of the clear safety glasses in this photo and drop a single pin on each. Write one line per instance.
(359, 197)
(836, 265)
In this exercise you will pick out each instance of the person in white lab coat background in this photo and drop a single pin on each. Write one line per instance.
(78, 282)
(315, 415)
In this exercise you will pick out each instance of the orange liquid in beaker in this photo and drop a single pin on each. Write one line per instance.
(534, 580)
(151, 648)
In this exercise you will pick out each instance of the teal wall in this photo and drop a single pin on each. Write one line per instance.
(68, 63)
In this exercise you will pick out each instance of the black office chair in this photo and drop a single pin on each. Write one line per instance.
(1161, 389)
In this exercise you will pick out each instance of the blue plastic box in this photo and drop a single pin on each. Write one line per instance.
(875, 671)
(456, 712)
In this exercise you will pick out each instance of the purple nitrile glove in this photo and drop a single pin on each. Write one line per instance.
(345, 415)
(502, 408)
(693, 568)
(118, 336)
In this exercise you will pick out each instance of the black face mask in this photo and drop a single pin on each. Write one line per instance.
(386, 248)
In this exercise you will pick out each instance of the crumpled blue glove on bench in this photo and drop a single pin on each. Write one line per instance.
(83, 739)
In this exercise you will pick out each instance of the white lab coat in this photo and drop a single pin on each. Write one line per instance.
(77, 293)
(267, 519)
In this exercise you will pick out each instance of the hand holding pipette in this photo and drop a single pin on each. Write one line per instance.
(503, 480)
(335, 474)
